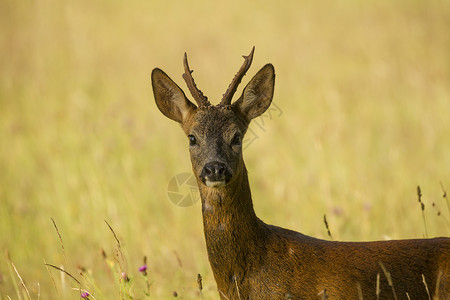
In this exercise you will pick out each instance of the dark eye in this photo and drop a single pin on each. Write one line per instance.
(192, 140)
(237, 140)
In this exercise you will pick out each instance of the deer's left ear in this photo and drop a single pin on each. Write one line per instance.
(257, 95)
(170, 98)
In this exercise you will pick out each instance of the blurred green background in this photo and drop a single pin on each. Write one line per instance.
(362, 118)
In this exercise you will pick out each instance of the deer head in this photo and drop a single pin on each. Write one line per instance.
(215, 133)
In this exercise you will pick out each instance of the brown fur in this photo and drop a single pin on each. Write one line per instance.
(253, 260)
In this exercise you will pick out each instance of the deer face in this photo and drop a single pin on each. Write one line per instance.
(215, 133)
(215, 144)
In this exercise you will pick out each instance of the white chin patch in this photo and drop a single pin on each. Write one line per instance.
(215, 183)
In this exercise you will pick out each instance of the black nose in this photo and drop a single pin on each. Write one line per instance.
(214, 171)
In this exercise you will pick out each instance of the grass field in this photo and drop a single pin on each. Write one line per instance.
(362, 117)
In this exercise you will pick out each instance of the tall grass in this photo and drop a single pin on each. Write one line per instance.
(364, 90)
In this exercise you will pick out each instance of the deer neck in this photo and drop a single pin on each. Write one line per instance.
(229, 208)
(231, 227)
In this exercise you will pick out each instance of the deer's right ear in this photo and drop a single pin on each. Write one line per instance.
(170, 98)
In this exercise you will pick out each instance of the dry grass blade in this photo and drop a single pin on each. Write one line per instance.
(444, 195)
(389, 279)
(438, 283)
(223, 295)
(237, 288)
(180, 263)
(426, 286)
(21, 280)
(115, 236)
(53, 279)
(64, 271)
(59, 236)
(377, 292)
(358, 287)
(60, 239)
(422, 206)
(119, 247)
(326, 226)
(13, 278)
(199, 284)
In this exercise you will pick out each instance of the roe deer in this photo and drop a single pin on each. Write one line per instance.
(254, 260)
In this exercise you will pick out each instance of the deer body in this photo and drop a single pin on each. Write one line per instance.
(253, 260)
(269, 262)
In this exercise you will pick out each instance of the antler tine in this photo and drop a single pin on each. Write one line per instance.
(226, 100)
(196, 93)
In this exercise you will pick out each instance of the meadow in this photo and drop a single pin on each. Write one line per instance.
(361, 118)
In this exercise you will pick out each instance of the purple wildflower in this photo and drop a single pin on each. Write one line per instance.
(125, 277)
(143, 268)
(85, 295)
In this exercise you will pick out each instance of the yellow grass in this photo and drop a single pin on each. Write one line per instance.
(364, 93)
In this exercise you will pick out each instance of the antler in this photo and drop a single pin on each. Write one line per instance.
(196, 93)
(226, 100)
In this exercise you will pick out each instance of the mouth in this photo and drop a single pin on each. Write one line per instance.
(211, 183)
